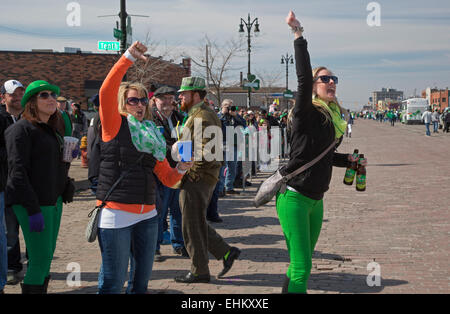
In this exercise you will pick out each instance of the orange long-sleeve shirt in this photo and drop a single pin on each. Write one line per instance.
(111, 122)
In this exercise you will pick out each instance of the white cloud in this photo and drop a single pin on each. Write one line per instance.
(337, 33)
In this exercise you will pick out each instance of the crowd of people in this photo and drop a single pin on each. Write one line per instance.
(139, 177)
(438, 119)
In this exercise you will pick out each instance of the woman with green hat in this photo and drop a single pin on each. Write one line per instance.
(37, 179)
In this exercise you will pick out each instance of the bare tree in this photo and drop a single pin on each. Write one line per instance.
(150, 72)
(213, 62)
(270, 83)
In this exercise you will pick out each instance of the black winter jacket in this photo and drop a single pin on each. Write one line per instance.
(5, 121)
(310, 135)
(118, 155)
(37, 176)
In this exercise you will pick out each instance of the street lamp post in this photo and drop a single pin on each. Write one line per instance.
(249, 25)
(286, 59)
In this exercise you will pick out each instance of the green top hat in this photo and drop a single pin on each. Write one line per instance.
(192, 83)
(36, 87)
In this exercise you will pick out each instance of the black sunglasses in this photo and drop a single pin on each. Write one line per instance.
(46, 95)
(326, 78)
(134, 101)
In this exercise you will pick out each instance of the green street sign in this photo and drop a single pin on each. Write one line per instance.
(117, 34)
(251, 82)
(109, 45)
(288, 94)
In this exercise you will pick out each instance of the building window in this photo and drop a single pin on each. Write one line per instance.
(443, 99)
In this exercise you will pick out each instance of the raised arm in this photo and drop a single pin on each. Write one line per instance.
(109, 106)
(303, 102)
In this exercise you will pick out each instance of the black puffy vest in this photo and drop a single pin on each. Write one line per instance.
(117, 155)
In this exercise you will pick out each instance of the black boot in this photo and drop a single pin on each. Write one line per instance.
(47, 280)
(284, 289)
(33, 289)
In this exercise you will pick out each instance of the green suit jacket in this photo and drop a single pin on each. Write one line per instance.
(204, 169)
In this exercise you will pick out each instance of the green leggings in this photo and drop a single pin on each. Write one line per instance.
(40, 245)
(301, 221)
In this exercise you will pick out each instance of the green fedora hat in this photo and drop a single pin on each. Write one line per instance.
(192, 83)
(36, 87)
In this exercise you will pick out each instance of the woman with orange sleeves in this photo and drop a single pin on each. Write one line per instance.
(129, 142)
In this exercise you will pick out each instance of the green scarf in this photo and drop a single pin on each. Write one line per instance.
(147, 138)
(340, 125)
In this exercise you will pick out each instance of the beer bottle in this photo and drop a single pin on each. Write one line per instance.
(351, 170)
(361, 175)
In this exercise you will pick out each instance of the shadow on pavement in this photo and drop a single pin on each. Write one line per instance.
(348, 283)
(236, 222)
(330, 282)
(256, 239)
(265, 255)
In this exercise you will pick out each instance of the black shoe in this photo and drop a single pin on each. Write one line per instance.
(227, 263)
(33, 289)
(248, 183)
(215, 219)
(158, 256)
(284, 289)
(232, 192)
(222, 194)
(46, 281)
(181, 251)
(191, 278)
(12, 278)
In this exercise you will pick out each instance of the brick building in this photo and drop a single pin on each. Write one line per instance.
(80, 75)
(439, 99)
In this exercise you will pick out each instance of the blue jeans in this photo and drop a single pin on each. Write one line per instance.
(170, 199)
(435, 126)
(116, 245)
(221, 184)
(3, 248)
(231, 170)
(12, 239)
(427, 126)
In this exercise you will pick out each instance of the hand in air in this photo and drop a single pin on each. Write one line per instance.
(137, 50)
(291, 20)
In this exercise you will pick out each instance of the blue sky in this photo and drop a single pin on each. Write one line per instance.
(410, 50)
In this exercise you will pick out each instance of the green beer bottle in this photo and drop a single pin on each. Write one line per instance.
(361, 175)
(351, 171)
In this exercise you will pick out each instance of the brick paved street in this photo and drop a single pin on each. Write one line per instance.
(402, 222)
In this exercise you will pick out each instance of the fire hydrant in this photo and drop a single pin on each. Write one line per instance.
(83, 148)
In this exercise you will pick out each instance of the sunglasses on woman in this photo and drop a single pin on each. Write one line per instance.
(326, 78)
(46, 95)
(134, 101)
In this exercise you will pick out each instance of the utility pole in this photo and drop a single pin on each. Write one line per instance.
(123, 26)
(207, 67)
(124, 20)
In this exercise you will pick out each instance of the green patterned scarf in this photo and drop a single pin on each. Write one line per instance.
(340, 124)
(147, 138)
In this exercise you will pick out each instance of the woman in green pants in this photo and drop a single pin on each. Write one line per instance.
(37, 179)
(315, 123)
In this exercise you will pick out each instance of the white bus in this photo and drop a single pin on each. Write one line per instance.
(412, 110)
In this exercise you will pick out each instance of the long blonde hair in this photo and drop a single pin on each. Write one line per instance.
(122, 97)
(316, 104)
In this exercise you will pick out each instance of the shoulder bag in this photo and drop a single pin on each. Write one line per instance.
(94, 215)
(277, 183)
